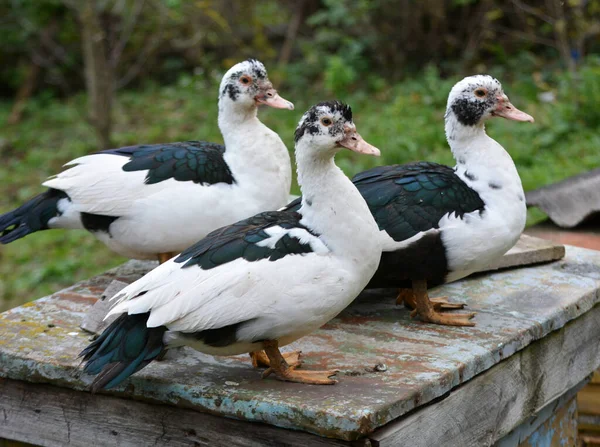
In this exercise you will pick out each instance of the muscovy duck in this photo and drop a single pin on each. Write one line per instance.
(440, 224)
(152, 201)
(260, 283)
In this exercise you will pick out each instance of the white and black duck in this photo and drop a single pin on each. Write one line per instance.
(260, 283)
(440, 224)
(151, 201)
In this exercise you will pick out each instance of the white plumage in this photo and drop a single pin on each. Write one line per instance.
(168, 216)
(273, 277)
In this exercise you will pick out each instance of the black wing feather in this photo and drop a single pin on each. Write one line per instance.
(191, 161)
(240, 241)
(410, 198)
(407, 199)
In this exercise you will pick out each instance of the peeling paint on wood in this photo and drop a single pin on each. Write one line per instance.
(554, 425)
(39, 342)
(559, 430)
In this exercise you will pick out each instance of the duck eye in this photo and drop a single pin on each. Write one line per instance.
(326, 121)
(480, 92)
(245, 80)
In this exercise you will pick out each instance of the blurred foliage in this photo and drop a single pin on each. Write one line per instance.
(345, 44)
(394, 61)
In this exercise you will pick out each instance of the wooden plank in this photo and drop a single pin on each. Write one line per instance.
(40, 342)
(529, 250)
(558, 418)
(51, 416)
(589, 423)
(588, 440)
(488, 407)
(589, 400)
(94, 321)
(560, 429)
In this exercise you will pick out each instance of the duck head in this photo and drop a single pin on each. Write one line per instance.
(326, 128)
(247, 85)
(475, 99)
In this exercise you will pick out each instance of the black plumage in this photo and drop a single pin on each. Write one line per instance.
(405, 201)
(125, 347)
(240, 241)
(30, 217)
(191, 161)
(218, 337)
(97, 222)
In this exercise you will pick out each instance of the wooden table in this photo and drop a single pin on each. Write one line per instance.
(511, 379)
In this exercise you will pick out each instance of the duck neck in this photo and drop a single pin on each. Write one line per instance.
(257, 157)
(333, 207)
(484, 165)
(479, 155)
(464, 140)
(234, 117)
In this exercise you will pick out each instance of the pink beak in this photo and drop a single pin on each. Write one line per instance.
(355, 142)
(271, 98)
(506, 110)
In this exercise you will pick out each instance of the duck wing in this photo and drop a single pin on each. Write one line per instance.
(412, 198)
(109, 182)
(237, 273)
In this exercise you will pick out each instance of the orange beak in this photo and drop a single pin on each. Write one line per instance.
(506, 110)
(271, 98)
(353, 141)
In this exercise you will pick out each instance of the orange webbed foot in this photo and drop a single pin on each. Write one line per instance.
(261, 360)
(290, 374)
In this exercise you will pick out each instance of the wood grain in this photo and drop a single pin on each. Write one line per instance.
(589, 400)
(54, 417)
(488, 407)
(94, 321)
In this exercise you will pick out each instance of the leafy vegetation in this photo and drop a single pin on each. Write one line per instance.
(404, 120)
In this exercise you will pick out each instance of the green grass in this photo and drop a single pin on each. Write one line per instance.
(405, 121)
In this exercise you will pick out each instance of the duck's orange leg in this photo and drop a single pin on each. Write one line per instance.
(261, 360)
(288, 373)
(407, 296)
(428, 309)
(164, 257)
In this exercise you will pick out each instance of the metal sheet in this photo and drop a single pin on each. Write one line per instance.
(39, 342)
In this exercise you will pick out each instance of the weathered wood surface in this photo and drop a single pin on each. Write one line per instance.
(487, 408)
(94, 321)
(570, 201)
(529, 250)
(55, 417)
(589, 400)
(560, 429)
(39, 342)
